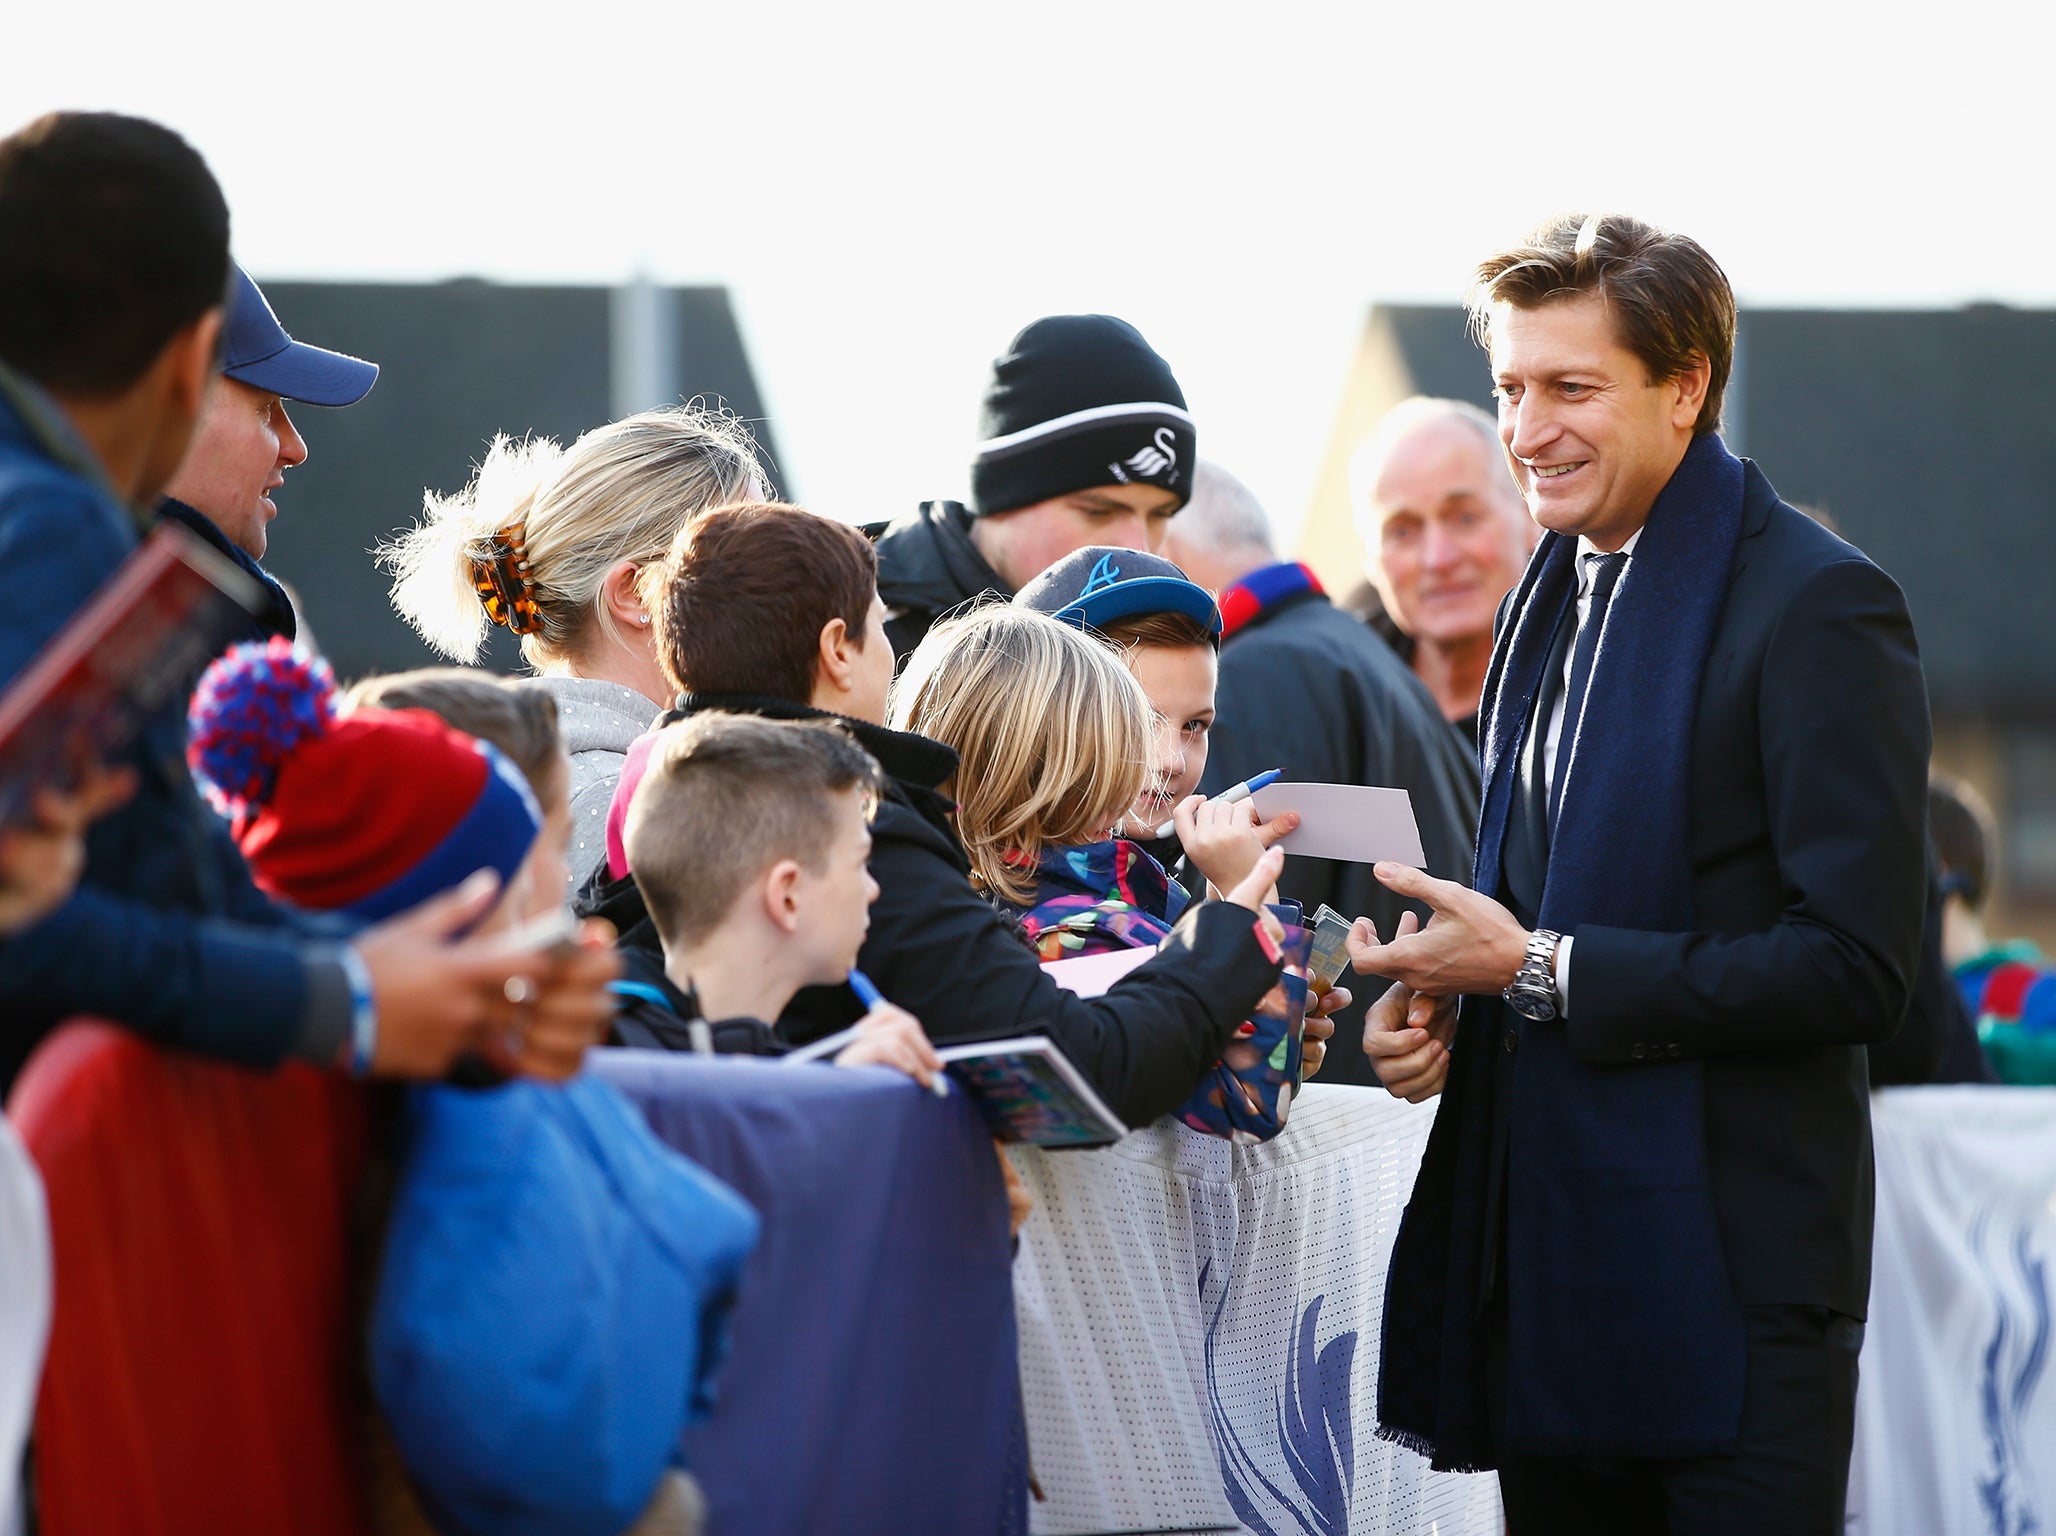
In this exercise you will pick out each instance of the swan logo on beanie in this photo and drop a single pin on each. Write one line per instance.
(371, 812)
(1149, 462)
(1079, 401)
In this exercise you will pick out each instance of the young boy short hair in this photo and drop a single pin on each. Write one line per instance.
(750, 840)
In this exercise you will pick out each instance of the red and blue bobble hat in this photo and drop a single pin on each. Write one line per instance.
(371, 812)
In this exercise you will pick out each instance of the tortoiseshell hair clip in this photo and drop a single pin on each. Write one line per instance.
(506, 582)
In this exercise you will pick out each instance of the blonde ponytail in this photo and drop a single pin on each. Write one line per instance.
(433, 563)
(557, 520)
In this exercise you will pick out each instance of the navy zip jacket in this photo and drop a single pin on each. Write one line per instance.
(166, 932)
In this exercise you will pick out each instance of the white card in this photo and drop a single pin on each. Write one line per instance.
(1352, 822)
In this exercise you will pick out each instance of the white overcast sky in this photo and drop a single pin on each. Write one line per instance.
(892, 190)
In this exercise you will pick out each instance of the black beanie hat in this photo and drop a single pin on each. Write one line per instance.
(1079, 401)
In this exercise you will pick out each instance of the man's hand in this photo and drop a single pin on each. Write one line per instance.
(572, 1008)
(1224, 840)
(1471, 943)
(892, 1037)
(1407, 1038)
(42, 854)
(530, 1011)
(1320, 1029)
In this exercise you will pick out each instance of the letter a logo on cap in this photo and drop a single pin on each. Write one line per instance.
(1104, 574)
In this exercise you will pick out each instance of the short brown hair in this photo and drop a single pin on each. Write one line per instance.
(746, 591)
(726, 796)
(516, 716)
(1170, 631)
(1670, 300)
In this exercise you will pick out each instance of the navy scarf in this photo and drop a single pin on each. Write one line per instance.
(1623, 1336)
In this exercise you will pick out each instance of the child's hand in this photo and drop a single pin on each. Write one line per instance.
(1320, 1028)
(1255, 890)
(892, 1037)
(1225, 841)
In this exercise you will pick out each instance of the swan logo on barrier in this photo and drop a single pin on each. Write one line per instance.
(2015, 1357)
(1313, 1425)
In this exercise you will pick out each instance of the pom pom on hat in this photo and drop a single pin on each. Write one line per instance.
(253, 708)
(368, 812)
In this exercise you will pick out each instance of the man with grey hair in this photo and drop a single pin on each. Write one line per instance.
(1306, 688)
(1445, 538)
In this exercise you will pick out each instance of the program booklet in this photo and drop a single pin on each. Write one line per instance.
(1029, 1092)
(146, 633)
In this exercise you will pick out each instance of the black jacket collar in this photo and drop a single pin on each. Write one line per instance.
(927, 562)
(913, 762)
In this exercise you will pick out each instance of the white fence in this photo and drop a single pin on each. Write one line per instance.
(1200, 1323)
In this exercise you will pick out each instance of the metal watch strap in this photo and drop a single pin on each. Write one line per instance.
(1538, 966)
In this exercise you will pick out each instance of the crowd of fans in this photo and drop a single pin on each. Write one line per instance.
(798, 780)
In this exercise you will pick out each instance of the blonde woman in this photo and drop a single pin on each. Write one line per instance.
(561, 546)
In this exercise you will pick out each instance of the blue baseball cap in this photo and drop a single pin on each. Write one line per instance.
(257, 351)
(1096, 586)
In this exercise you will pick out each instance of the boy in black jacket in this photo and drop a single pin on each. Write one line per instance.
(750, 840)
(771, 610)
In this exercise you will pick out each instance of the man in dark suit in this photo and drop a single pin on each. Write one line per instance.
(1634, 1267)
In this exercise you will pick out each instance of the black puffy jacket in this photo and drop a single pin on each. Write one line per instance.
(938, 950)
(927, 566)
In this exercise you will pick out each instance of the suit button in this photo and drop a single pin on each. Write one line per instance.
(1638, 1051)
(1511, 1040)
(1677, 1049)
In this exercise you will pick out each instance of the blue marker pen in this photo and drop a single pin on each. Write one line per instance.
(1242, 791)
(869, 995)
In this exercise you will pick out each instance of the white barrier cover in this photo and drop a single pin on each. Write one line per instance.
(1199, 1331)
(1200, 1325)
(1956, 1414)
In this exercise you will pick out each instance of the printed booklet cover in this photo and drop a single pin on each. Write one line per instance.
(1029, 1092)
(146, 633)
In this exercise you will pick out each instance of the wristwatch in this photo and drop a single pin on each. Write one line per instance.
(1532, 994)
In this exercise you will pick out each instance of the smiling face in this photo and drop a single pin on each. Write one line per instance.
(1020, 545)
(1179, 683)
(240, 454)
(1449, 533)
(1591, 437)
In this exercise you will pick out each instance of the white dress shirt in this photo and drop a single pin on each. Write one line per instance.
(1587, 576)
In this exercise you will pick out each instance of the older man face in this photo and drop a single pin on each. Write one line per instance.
(1448, 533)
(241, 451)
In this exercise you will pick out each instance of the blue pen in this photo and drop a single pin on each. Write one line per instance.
(869, 995)
(1242, 791)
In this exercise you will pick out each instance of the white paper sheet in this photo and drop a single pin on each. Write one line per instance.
(1347, 821)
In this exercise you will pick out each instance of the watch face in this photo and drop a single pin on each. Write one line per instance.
(1532, 1003)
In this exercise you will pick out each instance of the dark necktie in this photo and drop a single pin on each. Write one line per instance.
(1606, 572)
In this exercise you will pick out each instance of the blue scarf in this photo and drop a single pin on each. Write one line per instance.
(1623, 1336)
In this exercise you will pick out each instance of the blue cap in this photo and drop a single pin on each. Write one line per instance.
(1097, 586)
(257, 351)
